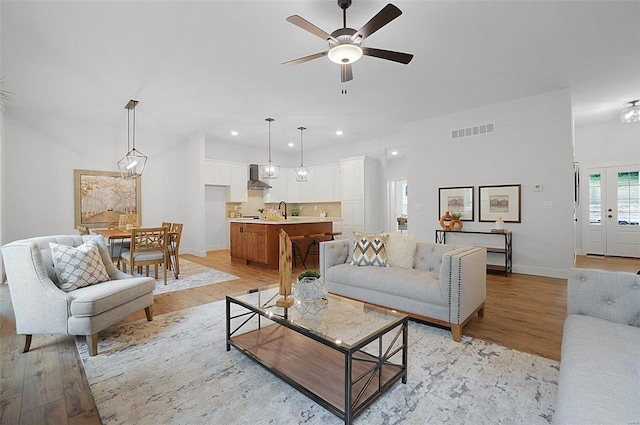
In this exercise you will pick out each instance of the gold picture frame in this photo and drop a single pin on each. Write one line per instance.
(101, 197)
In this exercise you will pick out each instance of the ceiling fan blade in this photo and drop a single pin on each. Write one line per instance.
(308, 26)
(304, 59)
(404, 58)
(386, 15)
(346, 73)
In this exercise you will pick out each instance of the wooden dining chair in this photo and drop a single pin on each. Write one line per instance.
(174, 244)
(83, 230)
(148, 247)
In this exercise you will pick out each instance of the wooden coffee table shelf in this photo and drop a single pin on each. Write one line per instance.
(353, 373)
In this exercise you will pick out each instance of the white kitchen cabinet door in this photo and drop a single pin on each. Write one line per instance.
(308, 188)
(336, 170)
(324, 183)
(209, 169)
(293, 189)
(279, 188)
(222, 173)
(239, 175)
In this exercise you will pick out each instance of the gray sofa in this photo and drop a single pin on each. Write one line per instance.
(446, 286)
(599, 380)
(41, 307)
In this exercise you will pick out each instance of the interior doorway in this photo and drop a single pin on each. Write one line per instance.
(611, 212)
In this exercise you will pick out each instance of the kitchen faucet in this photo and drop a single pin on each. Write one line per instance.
(285, 208)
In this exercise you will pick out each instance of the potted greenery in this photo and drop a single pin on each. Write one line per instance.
(309, 293)
(261, 211)
(456, 223)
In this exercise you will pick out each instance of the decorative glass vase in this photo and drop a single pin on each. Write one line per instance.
(310, 295)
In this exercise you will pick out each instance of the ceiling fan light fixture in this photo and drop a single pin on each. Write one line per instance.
(631, 114)
(345, 53)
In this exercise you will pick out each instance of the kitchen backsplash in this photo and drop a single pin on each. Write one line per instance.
(255, 202)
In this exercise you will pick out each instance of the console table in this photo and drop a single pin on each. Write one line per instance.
(507, 251)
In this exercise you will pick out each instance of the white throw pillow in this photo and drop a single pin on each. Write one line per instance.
(401, 250)
(78, 267)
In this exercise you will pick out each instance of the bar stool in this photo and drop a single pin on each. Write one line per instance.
(296, 251)
(314, 247)
(333, 235)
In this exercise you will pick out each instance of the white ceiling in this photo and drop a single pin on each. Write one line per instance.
(214, 66)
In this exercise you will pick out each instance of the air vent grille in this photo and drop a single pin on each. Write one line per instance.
(473, 131)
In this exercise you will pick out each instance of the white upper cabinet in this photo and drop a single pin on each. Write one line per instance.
(279, 188)
(239, 175)
(217, 173)
(308, 188)
(293, 189)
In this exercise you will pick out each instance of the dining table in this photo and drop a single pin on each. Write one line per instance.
(112, 235)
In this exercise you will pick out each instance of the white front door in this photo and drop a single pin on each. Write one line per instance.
(611, 214)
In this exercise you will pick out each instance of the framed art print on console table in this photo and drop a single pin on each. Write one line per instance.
(456, 200)
(502, 201)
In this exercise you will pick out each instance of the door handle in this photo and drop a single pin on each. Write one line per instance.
(609, 210)
(610, 216)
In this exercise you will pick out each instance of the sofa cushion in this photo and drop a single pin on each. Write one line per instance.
(408, 283)
(401, 250)
(599, 373)
(77, 267)
(370, 250)
(95, 299)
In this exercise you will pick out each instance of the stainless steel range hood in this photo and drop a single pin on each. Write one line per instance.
(254, 176)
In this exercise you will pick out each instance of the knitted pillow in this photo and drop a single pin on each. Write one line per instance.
(78, 267)
(369, 250)
(401, 250)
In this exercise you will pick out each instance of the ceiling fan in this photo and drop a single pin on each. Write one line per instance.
(345, 43)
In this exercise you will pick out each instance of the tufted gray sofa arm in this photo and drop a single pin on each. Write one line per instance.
(333, 253)
(613, 296)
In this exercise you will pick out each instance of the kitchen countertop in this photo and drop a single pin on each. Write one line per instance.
(289, 220)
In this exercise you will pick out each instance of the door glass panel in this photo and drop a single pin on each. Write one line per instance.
(628, 199)
(595, 199)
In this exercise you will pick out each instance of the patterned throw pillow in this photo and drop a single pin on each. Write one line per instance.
(78, 267)
(369, 250)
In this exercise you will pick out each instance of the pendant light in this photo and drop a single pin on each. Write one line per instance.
(132, 164)
(632, 113)
(302, 172)
(269, 170)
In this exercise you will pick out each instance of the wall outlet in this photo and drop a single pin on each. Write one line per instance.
(537, 187)
(547, 205)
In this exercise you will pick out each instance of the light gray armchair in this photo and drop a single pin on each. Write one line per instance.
(42, 308)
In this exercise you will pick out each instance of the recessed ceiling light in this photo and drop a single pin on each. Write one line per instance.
(290, 144)
(234, 133)
(394, 152)
(339, 132)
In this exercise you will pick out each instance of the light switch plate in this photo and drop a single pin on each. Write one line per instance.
(537, 187)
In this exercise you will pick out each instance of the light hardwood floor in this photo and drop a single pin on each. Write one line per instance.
(47, 385)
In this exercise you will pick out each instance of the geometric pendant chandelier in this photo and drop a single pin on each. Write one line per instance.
(132, 164)
(302, 172)
(269, 170)
(631, 114)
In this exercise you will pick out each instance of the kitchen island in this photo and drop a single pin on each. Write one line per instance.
(256, 241)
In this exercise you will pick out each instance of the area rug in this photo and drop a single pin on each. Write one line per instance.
(192, 275)
(175, 370)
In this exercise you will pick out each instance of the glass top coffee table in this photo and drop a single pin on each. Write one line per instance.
(360, 349)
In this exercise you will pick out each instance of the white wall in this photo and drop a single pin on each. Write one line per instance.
(41, 151)
(604, 146)
(532, 145)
